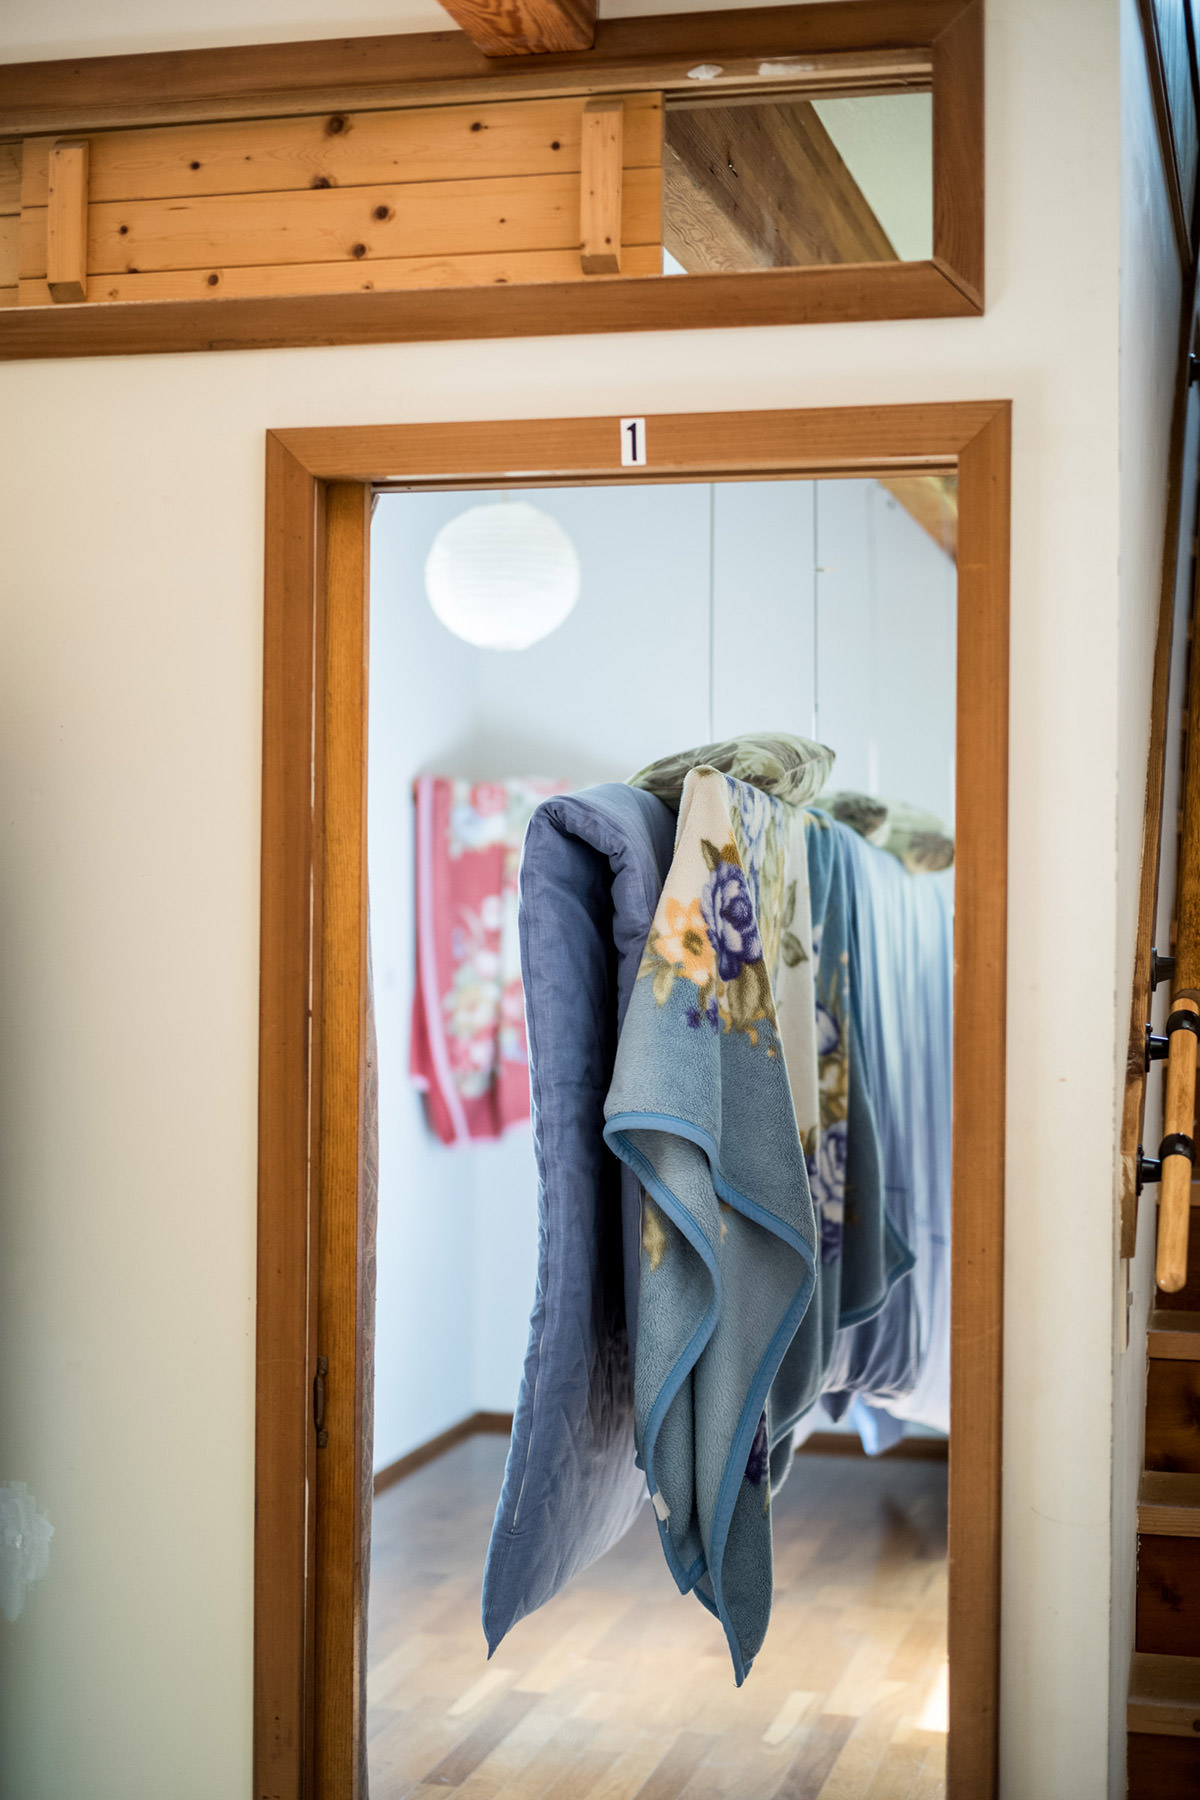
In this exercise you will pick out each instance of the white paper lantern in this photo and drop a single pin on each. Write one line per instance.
(502, 576)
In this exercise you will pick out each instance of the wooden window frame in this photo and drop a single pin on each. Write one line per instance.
(308, 1520)
(843, 45)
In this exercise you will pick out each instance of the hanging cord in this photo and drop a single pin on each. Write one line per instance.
(816, 611)
(712, 608)
(875, 497)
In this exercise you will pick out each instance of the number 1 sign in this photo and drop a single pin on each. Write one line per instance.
(633, 443)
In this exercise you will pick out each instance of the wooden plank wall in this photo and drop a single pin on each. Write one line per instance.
(10, 221)
(421, 197)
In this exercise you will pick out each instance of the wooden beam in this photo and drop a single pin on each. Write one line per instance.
(490, 269)
(525, 27)
(67, 221)
(528, 309)
(932, 500)
(601, 154)
(845, 47)
(762, 187)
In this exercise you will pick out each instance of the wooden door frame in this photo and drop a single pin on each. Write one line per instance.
(308, 1522)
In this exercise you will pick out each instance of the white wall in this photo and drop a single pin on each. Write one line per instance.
(770, 605)
(426, 1194)
(131, 497)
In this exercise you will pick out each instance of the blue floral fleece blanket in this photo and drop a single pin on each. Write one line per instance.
(733, 1103)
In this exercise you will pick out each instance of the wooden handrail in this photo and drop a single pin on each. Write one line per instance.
(1175, 1192)
(1179, 1113)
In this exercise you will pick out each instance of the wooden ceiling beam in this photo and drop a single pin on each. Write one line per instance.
(932, 500)
(833, 48)
(526, 27)
(762, 187)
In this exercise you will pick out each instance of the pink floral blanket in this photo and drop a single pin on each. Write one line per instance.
(468, 1050)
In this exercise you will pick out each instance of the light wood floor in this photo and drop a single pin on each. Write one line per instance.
(621, 1687)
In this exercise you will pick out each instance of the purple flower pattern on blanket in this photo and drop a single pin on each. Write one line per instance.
(708, 1015)
(712, 935)
(728, 912)
(729, 937)
(829, 1032)
(827, 1178)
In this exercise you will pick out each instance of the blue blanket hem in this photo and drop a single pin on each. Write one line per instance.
(615, 1130)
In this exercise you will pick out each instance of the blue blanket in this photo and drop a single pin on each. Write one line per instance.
(733, 1100)
(864, 1246)
(702, 1108)
(592, 869)
(898, 1364)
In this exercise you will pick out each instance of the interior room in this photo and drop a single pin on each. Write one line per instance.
(825, 609)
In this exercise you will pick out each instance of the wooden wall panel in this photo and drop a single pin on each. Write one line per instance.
(348, 225)
(426, 143)
(333, 226)
(494, 269)
(10, 178)
(9, 239)
(10, 221)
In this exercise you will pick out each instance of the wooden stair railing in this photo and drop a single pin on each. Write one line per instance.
(1163, 1711)
(1177, 1153)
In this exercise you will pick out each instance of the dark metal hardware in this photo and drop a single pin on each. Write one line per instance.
(1184, 1021)
(1158, 1046)
(1193, 369)
(1150, 1168)
(1162, 968)
(319, 1401)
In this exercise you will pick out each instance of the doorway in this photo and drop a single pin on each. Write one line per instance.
(318, 524)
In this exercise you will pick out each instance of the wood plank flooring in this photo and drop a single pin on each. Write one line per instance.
(621, 1688)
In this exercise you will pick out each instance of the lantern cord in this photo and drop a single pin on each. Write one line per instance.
(712, 608)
